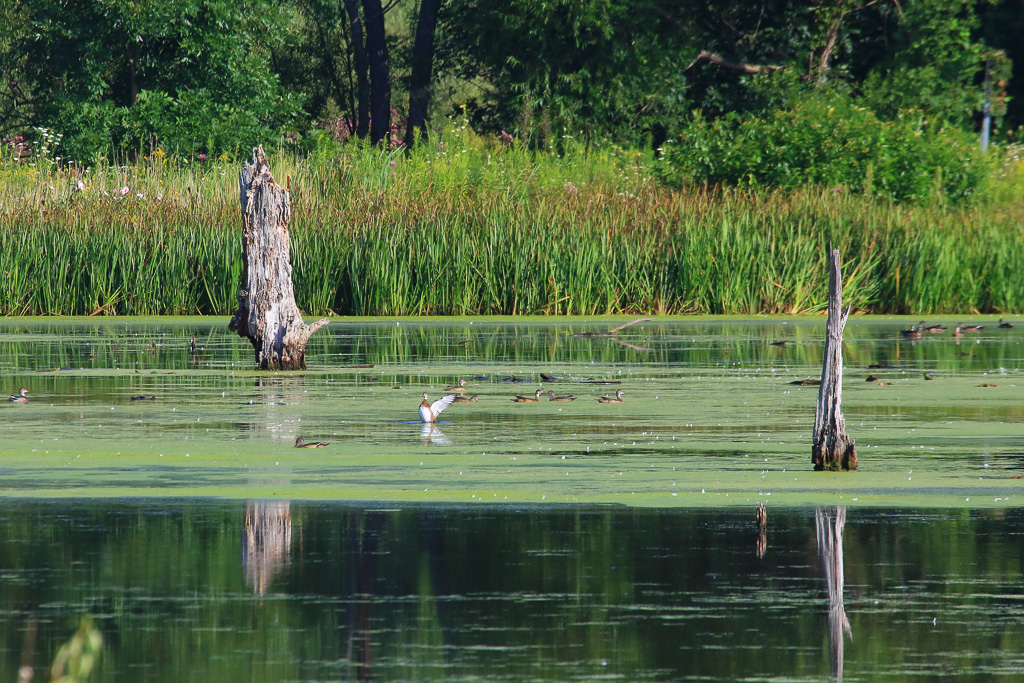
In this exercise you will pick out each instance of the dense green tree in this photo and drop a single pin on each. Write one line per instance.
(214, 75)
(617, 68)
(569, 67)
(191, 75)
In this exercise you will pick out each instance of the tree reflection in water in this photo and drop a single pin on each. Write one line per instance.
(268, 542)
(830, 523)
(362, 541)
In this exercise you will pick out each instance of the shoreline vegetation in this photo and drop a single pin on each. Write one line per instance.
(468, 226)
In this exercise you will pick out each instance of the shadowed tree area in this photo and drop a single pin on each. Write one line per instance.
(210, 76)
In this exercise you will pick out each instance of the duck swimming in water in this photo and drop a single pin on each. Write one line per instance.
(552, 397)
(461, 386)
(527, 399)
(912, 333)
(302, 443)
(467, 399)
(608, 399)
(430, 411)
(932, 329)
(20, 397)
(971, 328)
(1003, 325)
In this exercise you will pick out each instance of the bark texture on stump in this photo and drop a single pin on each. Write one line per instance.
(832, 449)
(267, 315)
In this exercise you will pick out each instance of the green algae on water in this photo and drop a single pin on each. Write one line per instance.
(710, 417)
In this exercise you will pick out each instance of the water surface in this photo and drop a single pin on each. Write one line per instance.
(710, 417)
(278, 591)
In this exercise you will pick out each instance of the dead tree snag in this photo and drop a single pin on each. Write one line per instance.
(832, 449)
(267, 314)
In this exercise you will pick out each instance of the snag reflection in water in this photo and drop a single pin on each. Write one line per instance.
(268, 542)
(320, 591)
(830, 523)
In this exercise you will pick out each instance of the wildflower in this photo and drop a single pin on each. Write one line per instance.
(159, 197)
(124, 190)
(140, 195)
(202, 157)
(81, 185)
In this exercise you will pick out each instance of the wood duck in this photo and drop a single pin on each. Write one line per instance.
(1005, 326)
(912, 333)
(958, 331)
(933, 329)
(430, 411)
(302, 443)
(527, 399)
(972, 328)
(461, 386)
(20, 397)
(608, 399)
(552, 397)
(467, 399)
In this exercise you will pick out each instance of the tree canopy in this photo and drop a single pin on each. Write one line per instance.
(214, 76)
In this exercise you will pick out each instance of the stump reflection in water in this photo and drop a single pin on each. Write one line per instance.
(268, 542)
(761, 516)
(830, 523)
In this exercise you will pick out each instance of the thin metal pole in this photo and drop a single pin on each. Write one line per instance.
(986, 121)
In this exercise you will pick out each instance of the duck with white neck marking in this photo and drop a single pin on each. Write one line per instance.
(430, 411)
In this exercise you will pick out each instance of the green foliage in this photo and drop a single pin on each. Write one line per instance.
(191, 75)
(77, 659)
(596, 68)
(829, 141)
(933, 64)
(463, 227)
(123, 77)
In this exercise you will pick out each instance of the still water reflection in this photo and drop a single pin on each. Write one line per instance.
(277, 591)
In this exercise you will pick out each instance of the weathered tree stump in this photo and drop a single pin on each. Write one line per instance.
(267, 315)
(832, 449)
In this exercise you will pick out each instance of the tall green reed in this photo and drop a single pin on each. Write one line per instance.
(464, 227)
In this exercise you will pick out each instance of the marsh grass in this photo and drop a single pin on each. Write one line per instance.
(464, 226)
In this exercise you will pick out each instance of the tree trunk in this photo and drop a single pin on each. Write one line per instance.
(380, 79)
(422, 70)
(832, 449)
(362, 108)
(267, 314)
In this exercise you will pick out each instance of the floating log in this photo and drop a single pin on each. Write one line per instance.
(267, 314)
(832, 448)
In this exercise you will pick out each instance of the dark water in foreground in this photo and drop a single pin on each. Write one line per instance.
(185, 590)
